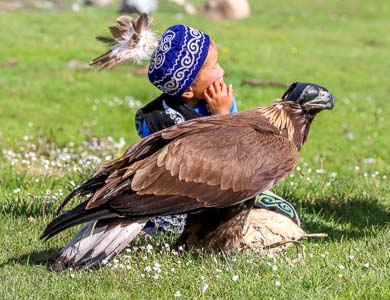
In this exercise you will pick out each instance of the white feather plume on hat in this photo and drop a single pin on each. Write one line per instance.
(131, 40)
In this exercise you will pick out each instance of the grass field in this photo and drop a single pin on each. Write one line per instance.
(58, 124)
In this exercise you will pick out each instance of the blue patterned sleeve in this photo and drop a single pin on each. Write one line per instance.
(143, 129)
(233, 107)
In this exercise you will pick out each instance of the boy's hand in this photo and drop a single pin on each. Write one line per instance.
(219, 97)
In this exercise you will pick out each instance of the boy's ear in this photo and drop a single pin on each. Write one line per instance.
(188, 94)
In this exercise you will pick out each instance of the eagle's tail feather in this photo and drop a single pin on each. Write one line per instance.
(96, 243)
(77, 216)
(89, 186)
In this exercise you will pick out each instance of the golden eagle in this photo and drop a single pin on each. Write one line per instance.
(210, 168)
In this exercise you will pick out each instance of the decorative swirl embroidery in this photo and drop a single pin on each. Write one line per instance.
(173, 114)
(158, 57)
(186, 62)
(273, 202)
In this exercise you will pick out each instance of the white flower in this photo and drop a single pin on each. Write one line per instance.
(177, 294)
(149, 247)
(204, 288)
(341, 267)
(340, 275)
(17, 190)
(72, 275)
(351, 257)
(277, 283)
(311, 254)
(235, 277)
(274, 268)
(218, 270)
(173, 269)
(148, 269)
(367, 265)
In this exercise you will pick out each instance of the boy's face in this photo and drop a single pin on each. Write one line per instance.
(210, 72)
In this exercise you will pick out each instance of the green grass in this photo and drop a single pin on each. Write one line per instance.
(341, 45)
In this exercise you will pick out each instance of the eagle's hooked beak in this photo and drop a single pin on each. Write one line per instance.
(315, 100)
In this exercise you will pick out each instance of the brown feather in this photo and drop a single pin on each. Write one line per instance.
(115, 31)
(189, 167)
(142, 23)
(125, 37)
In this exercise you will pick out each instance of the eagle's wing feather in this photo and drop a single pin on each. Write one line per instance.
(154, 161)
(214, 173)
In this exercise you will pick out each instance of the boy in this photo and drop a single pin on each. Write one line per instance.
(185, 67)
(191, 88)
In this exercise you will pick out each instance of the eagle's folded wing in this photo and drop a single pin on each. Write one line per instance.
(216, 166)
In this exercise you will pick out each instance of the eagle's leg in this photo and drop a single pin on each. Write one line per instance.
(216, 229)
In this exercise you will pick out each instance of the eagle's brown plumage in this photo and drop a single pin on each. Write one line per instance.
(209, 167)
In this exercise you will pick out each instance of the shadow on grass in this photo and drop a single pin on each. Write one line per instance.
(349, 219)
(35, 258)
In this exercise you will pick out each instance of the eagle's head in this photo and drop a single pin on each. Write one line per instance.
(312, 98)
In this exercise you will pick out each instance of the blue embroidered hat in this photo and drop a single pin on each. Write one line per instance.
(179, 56)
